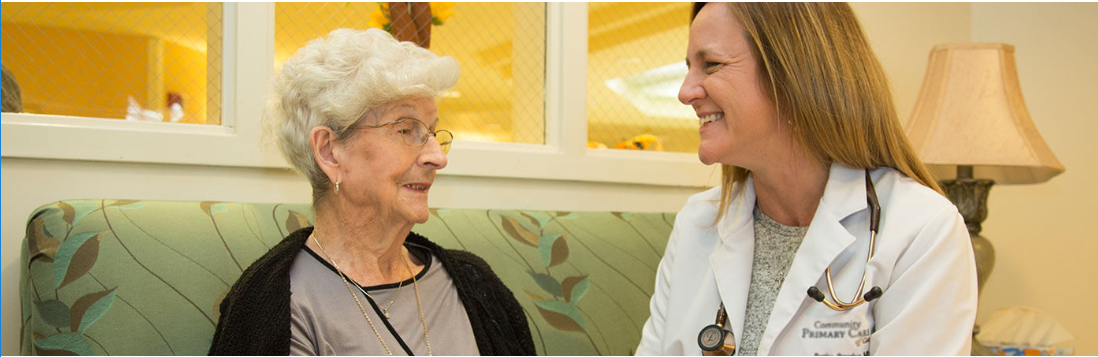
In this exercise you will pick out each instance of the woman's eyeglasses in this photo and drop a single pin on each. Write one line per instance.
(416, 133)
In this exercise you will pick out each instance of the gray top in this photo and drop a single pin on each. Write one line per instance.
(325, 320)
(775, 247)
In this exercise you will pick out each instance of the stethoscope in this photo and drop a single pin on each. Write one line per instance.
(715, 340)
(710, 338)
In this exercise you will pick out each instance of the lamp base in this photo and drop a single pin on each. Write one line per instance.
(970, 197)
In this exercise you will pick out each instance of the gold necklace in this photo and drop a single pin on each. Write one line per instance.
(415, 284)
(422, 319)
(344, 277)
(384, 311)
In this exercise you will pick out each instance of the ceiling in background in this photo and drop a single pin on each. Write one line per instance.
(182, 23)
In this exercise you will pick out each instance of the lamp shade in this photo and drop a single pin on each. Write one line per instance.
(970, 112)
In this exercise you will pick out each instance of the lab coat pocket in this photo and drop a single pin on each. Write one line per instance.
(822, 331)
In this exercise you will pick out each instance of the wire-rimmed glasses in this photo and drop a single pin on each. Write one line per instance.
(415, 132)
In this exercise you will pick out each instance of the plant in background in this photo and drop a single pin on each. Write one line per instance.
(648, 142)
(411, 21)
(442, 11)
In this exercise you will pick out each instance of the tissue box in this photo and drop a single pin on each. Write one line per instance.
(1031, 351)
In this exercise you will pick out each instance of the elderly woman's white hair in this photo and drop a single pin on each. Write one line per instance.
(336, 80)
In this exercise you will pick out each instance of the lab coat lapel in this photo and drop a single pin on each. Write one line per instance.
(731, 263)
(826, 238)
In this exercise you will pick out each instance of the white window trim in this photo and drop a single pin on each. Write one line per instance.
(248, 54)
(234, 143)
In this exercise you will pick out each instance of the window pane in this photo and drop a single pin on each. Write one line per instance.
(500, 46)
(135, 61)
(635, 66)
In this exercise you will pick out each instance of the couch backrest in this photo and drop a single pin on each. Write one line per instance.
(126, 277)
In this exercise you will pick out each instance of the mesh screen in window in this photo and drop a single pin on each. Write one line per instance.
(133, 61)
(500, 47)
(634, 69)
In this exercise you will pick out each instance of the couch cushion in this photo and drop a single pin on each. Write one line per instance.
(127, 277)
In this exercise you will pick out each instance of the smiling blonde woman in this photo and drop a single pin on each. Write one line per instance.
(827, 235)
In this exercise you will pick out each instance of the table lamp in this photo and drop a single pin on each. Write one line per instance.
(971, 127)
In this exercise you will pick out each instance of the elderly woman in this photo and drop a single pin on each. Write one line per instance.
(355, 113)
(827, 235)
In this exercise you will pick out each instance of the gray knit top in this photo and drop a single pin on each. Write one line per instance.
(775, 247)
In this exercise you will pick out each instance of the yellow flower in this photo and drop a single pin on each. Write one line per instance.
(642, 142)
(441, 11)
(648, 142)
(380, 17)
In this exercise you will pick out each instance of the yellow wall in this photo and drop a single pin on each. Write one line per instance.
(72, 72)
(652, 35)
(1044, 235)
(185, 73)
(86, 59)
(491, 41)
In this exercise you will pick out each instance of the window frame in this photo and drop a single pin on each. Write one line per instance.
(236, 142)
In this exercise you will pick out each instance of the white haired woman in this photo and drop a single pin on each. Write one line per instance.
(355, 112)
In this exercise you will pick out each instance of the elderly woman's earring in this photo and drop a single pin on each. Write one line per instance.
(337, 183)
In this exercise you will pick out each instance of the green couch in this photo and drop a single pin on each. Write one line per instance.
(125, 277)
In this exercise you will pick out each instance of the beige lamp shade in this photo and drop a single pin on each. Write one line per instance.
(970, 111)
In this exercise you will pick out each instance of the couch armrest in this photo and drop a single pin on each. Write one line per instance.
(137, 277)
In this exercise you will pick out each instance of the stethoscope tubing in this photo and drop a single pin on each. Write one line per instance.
(835, 303)
(875, 292)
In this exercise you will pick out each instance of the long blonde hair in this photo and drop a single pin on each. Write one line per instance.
(826, 81)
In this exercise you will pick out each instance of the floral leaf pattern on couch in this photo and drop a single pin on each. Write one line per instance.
(553, 248)
(62, 344)
(562, 315)
(134, 277)
(89, 308)
(75, 257)
(54, 312)
(574, 287)
(513, 228)
(40, 242)
(295, 221)
(583, 278)
(71, 258)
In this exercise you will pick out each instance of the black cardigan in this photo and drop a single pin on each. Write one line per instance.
(255, 315)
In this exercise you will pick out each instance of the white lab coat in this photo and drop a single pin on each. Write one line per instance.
(923, 261)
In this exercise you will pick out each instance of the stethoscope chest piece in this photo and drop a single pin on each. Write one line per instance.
(715, 340)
